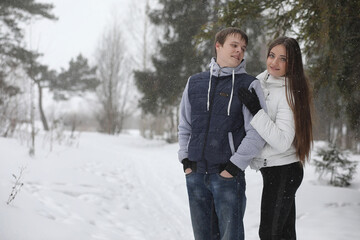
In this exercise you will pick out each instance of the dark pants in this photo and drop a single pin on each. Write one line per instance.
(217, 206)
(278, 201)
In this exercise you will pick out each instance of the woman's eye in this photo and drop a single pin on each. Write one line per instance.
(283, 59)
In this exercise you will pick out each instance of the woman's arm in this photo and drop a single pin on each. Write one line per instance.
(280, 133)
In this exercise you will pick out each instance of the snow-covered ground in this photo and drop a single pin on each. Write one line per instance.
(129, 188)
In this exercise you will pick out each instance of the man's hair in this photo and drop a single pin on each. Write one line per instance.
(221, 36)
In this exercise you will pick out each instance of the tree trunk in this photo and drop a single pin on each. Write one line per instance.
(32, 119)
(42, 114)
(145, 36)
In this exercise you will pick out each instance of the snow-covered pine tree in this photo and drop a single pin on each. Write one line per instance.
(333, 161)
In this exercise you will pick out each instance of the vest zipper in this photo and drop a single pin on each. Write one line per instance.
(211, 100)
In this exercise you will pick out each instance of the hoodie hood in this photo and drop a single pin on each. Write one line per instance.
(218, 71)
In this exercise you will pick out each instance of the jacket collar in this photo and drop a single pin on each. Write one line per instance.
(267, 79)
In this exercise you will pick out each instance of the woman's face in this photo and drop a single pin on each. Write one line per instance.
(276, 61)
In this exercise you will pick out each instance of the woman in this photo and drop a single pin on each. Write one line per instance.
(287, 129)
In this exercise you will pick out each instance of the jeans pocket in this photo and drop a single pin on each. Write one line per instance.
(225, 178)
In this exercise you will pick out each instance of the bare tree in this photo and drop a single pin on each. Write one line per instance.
(114, 74)
(146, 35)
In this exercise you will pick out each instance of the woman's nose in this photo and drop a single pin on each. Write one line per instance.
(275, 61)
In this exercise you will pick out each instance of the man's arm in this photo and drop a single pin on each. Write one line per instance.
(184, 128)
(252, 144)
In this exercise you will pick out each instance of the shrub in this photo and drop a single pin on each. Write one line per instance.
(334, 162)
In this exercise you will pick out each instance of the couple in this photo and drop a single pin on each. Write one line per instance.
(229, 120)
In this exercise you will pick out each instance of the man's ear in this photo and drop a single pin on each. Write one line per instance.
(217, 45)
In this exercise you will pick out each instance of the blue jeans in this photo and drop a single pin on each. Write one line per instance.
(217, 206)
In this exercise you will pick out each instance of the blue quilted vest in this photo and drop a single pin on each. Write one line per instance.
(215, 134)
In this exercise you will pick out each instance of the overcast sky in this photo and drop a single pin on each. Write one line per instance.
(78, 29)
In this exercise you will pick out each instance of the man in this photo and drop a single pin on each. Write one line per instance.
(217, 141)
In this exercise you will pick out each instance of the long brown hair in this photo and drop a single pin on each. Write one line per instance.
(298, 95)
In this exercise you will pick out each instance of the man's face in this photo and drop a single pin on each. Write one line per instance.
(231, 53)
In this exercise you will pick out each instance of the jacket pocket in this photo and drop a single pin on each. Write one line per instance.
(231, 143)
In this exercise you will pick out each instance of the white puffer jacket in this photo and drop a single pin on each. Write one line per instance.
(276, 127)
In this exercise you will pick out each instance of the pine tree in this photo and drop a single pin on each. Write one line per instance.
(246, 15)
(78, 78)
(177, 58)
(331, 38)
(13, 15)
